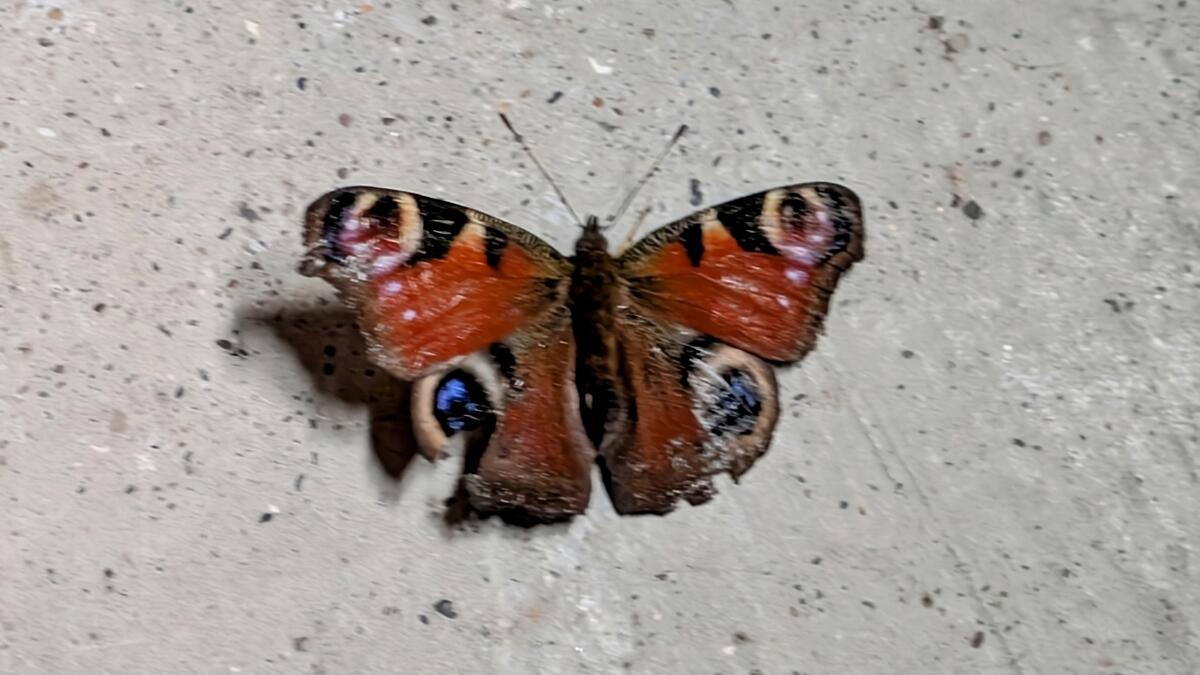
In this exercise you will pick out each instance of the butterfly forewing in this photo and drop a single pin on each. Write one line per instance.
(755, 272)
(431, 281)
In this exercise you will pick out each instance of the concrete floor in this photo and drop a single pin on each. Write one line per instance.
(989, 465)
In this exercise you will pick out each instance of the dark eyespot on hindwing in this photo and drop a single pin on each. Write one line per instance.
(735, 406)
(460, 403)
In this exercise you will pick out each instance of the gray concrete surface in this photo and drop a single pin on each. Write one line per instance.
(989, 465)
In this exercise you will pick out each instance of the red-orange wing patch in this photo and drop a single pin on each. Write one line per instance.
(755, 272)
(431, 281)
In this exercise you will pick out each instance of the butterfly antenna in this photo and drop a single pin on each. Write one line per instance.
(546, 174)
(653, 167)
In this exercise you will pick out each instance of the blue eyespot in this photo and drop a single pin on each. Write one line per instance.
(460, 403)
(743, 389)
(736, 406)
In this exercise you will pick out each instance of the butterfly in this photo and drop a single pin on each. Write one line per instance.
(658, 363)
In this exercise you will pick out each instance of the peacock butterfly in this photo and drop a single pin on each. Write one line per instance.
(658, 362)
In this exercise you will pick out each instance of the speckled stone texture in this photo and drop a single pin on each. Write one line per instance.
(989, 464)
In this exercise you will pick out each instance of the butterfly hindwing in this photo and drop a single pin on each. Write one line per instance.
(689, 407)
(431, 281)
(530, 455)
(755, 272)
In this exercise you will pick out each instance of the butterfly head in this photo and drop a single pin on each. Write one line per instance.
(592, 241)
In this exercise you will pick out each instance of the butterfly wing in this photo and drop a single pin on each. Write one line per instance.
(710, 300)
(529, 455)
(755, 272)
(688, 407)
(431, 281)
(474, 309)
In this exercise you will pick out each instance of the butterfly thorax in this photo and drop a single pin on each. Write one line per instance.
(595, 290)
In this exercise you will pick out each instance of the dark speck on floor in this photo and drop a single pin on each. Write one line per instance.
(973, 210)
(246, 212)
(445, 608)
(429, 20)
(697, 196)
(1117, 305)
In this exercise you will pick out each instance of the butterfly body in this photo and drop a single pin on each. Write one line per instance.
(595, 300)
(657, 362)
